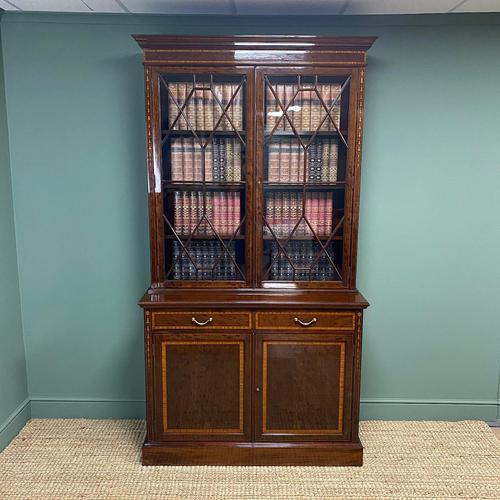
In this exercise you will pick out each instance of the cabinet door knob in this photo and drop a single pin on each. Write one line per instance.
(257, 389)
(201, 323)
(306, 323)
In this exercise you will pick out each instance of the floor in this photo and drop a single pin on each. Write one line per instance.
(100, 459)
(496, 431)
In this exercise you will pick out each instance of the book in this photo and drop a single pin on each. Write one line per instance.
(173, 111)
(212, 261)
(237, 161)
(303, 254)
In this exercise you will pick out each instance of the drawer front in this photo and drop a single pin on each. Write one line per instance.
(305, 320)
(204, 320)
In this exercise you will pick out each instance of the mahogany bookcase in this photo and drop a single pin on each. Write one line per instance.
(252, 322)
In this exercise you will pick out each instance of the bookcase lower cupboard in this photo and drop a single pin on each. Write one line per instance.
(252, 322)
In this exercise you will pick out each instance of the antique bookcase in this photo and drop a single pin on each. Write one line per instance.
(253, 322)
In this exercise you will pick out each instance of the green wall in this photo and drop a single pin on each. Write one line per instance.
(14, 405)
(429, 235)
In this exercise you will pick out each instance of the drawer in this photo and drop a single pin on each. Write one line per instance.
(305, 320)
(200, 320)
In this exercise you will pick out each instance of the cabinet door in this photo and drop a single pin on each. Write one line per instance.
(200, 191)
(202, 386)
(303, 387)
(307, 160)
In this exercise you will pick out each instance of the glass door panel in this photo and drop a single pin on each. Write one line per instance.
(204, 149)
(304, 133)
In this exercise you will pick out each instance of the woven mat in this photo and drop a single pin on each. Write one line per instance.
(94, 459)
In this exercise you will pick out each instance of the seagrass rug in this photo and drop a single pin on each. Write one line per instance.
(100, 459)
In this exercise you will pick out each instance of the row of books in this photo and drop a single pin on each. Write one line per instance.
(202, 109)
(284, 209)
(286, 161)
(222, 209)
(212, 261)
(306, 111)
(304, 255)
(222, 160)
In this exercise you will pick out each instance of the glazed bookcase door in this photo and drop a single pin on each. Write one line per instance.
(203, 388)
(303, 387)
(204, 155)
(305, 156)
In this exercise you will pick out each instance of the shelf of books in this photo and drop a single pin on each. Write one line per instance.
(204, 189)
(304, 177)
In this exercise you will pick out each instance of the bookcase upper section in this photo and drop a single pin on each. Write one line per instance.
(254, 150)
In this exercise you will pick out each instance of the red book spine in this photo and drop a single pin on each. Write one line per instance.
(329, 214)
(230, 214)
(225, 214)
(177, 211)
(321, 231)
(216, 211)
(185, 214)
(237, 210)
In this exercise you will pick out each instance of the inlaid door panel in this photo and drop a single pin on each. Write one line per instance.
(203, 386)
(303, 387)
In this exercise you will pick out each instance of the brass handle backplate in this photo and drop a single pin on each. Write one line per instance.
(201, 323)
(307, 323)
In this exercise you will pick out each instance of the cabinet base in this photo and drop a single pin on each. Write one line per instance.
(241, 453)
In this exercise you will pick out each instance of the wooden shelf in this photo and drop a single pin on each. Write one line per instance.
(198, 185)
(189, 133)
(204, 237)
(306, 133)
(299, 185)
(299, 237)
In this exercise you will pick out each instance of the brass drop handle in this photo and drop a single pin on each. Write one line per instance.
(201, 323)
(308, 323)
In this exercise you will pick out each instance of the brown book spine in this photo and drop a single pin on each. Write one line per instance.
(191, 108)
(172, 108)
(183, 229)
(182, 144)
(231, 112)
(176, 160)
(209, 162)
(271, 109)
(336, 109)
(287, 104)
(238, 109)
(327, 125)
(226, 94)
(273, 161)
(207, 110)
(177, 212)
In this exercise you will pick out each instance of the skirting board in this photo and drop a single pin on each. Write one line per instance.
(14, 423)
(371, 409)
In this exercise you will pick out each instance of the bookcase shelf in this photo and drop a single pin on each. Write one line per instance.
(198, 186)
(310, 185)
(199, 237)
(305, 133)
(268, 237)
(190, 133)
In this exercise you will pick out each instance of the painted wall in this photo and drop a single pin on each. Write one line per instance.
(14, 406)
(429, 235)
